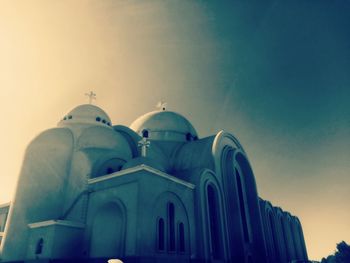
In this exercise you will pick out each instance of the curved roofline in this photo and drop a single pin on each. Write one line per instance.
(81, 115)
(220, 136)
(164, 125)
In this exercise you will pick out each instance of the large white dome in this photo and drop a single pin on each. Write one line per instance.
(86, 114)
(165, 125)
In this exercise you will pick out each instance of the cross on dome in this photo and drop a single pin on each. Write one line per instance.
(91, 95)
(144, 144)
(161, 105)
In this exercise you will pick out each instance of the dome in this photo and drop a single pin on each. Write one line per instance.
(164, 125)
(86, 114)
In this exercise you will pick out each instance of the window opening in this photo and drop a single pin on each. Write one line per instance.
(145, 134)
(214, 222)
(242, 206)
(181, 237)
(161, 234)
(171, 215)
(39, 246)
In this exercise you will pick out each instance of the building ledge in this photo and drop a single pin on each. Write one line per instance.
(57, 222)
(138, 168)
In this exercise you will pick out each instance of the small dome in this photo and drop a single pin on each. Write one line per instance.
(86, 114)
(164, 125)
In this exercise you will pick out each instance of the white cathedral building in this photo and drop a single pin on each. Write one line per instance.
(90, 191)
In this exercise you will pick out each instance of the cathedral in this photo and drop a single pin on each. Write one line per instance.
(91, 191)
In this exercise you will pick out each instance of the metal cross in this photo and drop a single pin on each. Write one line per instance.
(91, 95)
(144, 144)
(161, 105)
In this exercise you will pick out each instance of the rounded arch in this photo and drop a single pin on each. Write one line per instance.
(289, 238)
(108, 166)
(271, 237)
(299, 233)
(214, 228)
(108, 230)
(232, 192)
(101, 159)
(249, 203)
(170, 220)
(278, 220)
(222, 143)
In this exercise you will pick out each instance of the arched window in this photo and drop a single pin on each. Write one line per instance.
(273, 233)
(295, 242)
(145, 133)
(171, 224)
(284, 237)
(161, 234)
(39, 246)
(214, 223)
(242, 206)
(109, 170)
(108, 167)
(181, 237)
(188, 136)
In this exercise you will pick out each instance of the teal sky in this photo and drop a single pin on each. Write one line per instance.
(273, 73)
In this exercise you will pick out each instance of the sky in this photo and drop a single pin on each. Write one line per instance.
(273, 73)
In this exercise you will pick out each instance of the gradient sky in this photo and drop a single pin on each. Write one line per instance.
(273, 73)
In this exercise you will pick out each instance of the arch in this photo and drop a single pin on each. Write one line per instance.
(271, 240)
(108, 231)
(181, 239)
(295, 242)
(250, 204)
(102, 159)
(284, 236)
(108, 167)
(275, 253)
(145, 133)
(301, 238)
(214, 222)
(39, 246)
(297, 238)
(282, 247)
(160, 234)
(189, 137)
(234, 218)
(290, 242)
(171, 227)
(172, 211)
(242, 205)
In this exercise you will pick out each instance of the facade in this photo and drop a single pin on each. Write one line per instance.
(154, 192)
